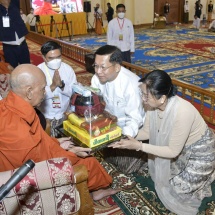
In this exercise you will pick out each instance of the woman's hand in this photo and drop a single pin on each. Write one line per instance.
(129, 143)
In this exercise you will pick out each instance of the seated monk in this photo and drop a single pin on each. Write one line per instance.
(23, 138)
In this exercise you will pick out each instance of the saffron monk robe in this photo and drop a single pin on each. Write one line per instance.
(23, 138)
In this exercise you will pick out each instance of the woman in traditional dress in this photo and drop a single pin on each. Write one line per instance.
(98, 19)
(181, 147)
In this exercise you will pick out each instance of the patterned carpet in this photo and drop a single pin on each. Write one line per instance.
(138, 196)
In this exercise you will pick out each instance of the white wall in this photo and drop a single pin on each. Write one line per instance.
(142, 11)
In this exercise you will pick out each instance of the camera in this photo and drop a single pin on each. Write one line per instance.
(95, 9)
(37, 18)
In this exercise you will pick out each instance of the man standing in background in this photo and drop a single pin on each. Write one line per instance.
(24, 17)
(166, 9)
(32, 20)
(110, 12)
(12, 33)
(198, 9)
(121, 33)
(186, 12)
(210, 11)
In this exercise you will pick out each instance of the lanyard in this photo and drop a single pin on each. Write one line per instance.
(48, 74)
(120, 26)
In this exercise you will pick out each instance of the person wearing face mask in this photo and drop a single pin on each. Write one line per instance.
(31, 19)
(60, 78)
(24, 17)
(121, 33)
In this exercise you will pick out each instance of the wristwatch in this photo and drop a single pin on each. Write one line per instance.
(62, 85)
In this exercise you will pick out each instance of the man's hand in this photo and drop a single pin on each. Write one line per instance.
(81, 151)
(67, 144)
(56, 81)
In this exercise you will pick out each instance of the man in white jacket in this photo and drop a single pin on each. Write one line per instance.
(119, 88)
(121, 33)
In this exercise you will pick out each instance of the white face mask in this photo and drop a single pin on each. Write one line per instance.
(121, 15)
(54, 64)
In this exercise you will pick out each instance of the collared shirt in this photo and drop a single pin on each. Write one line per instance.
(31, 19)
(122, 97)
(16, 23)
(67, 74)
(212, 25)
(196, 23)
(121, 26)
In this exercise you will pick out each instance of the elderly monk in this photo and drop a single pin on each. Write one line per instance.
(22, 137)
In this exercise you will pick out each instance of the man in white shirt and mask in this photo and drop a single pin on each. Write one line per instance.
(120, 90)
(121, 33)
(60, 78)
(31, 18)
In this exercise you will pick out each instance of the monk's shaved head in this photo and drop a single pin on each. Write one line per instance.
(28, 81)
(25, 75)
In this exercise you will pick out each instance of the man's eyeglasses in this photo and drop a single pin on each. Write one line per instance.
(103, 68)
